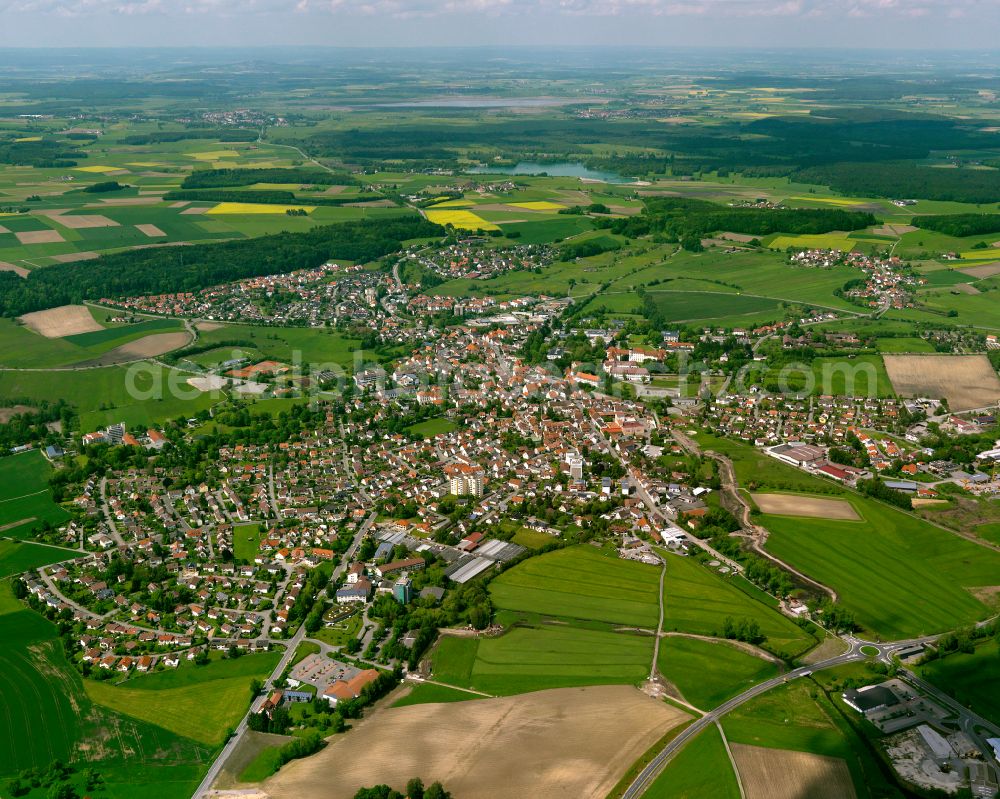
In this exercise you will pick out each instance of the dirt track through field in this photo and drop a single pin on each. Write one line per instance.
(570, 743)
(798, 505)
(967, 381)
(66, 320)
(784, 774)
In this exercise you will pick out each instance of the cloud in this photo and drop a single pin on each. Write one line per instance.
(409, 9)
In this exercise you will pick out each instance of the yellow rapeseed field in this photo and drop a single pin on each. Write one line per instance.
(257, 208)
(538, 205)
(463, 220)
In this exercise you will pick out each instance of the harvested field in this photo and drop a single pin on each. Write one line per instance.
(73, 257)
(208, 327)
(967, 381)
(801, 505)
(200, 210)
(893, 230)
(84, 221)
(6, 414)
(983, 270)
(152, 199)
(784, 774)
(180, 204)
(965, 288)
(571, 742)
(743, 238)
(146, 347)
(20, 271)
(150, 230)
(67, 320)
(40, 237)
(919, 502)
(3, 230)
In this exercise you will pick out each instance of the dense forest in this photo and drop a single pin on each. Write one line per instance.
(221, 178)
(902, 181)
(960, 224)
(688, 221)
(44, 154)
(167, 136)
(173, 269)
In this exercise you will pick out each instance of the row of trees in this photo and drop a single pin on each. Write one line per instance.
(414, 790)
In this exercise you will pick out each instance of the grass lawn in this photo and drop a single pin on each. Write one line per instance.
(433, 427)
(971, 679)
(201, 705)
(581, 583)
(341, 632)
(246, 541)
(708, 673)
(532, 539)
(701, 769)
(697, 600)
(901, 576)
(262, 766)
(425, 693)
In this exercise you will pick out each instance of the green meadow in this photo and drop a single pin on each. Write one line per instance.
(707, 673)
(581, 583)
(25, 498)
(533, 658)
(970, 678)
(696, 600)
(901, 576)
(702, 768)
(48, 715)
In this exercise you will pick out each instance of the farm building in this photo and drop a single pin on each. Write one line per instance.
(870, 699)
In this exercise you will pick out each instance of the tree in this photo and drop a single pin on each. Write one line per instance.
(415, 788)
(436, 791)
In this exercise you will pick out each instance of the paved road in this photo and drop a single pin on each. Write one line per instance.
(234, 740)
(649, 774)
(292, 644)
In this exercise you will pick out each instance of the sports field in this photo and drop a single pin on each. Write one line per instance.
(581, 583)
(901, 576)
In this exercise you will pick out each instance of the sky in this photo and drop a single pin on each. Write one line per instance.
(893, 24)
